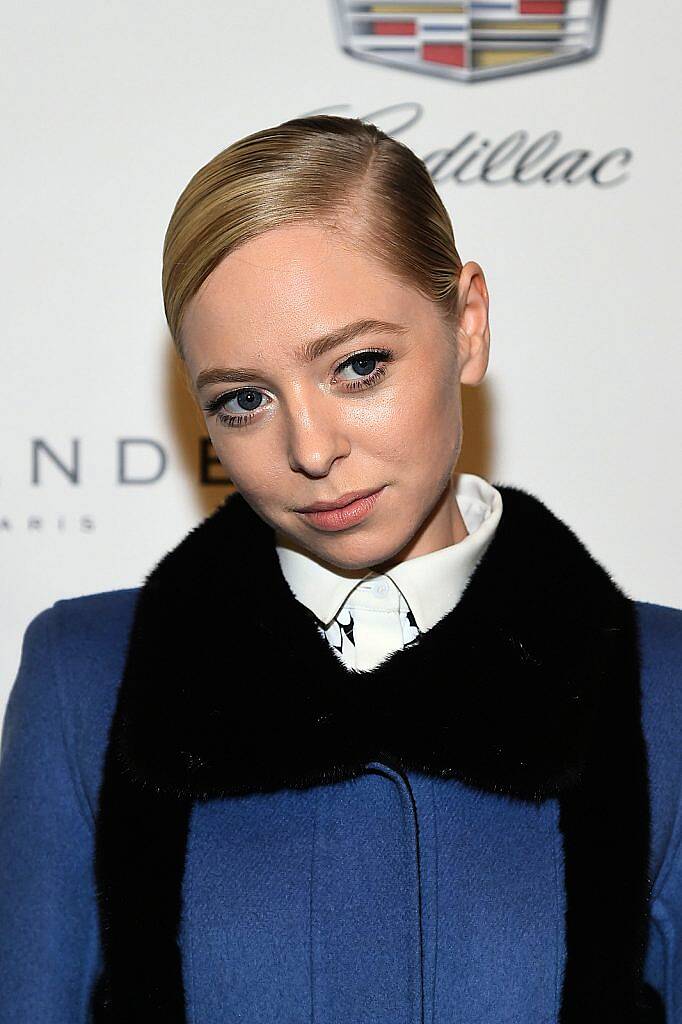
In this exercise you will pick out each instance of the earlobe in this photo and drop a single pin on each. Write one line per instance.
(474, 352)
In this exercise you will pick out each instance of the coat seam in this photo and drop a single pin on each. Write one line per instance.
(411, 819)
(189, 891)
(316, 798)
(663, 923)
(672, 854)
(435, 901)
(409, 811)
(556, 838)
(58, 669)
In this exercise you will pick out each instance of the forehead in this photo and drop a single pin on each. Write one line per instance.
(290, 283)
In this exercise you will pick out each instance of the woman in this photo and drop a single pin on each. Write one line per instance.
(377, 741)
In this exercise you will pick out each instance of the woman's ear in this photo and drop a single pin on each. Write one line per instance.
(474, 326)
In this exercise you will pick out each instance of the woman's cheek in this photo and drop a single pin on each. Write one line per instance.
(386, 411)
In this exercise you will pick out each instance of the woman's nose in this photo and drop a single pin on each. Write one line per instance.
(316, 433)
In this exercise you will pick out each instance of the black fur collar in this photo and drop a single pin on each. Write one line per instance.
(529, 687)
(499, 693)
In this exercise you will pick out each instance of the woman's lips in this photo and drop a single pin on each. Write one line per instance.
(340, 518)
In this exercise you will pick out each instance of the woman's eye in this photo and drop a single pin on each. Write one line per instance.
(248, 401)
(364, 364)
(365, 373)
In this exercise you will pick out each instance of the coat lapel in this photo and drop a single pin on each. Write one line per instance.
(528, 687)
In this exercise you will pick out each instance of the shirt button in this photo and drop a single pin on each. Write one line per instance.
(382, 588)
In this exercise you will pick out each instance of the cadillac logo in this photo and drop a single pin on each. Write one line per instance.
(471, 39)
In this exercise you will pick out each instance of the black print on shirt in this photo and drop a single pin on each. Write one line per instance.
(412, 623)
(346, 629)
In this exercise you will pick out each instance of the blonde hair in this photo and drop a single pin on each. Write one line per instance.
(338, 172)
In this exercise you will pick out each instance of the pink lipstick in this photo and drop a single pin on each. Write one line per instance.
(342, 516)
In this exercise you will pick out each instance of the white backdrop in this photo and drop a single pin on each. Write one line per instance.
(110, 108)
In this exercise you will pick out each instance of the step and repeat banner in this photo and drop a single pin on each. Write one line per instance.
(550, 129)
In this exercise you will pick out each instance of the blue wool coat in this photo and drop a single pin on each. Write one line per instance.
(160, 859)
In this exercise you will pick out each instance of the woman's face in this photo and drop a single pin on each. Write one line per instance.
(292, 427)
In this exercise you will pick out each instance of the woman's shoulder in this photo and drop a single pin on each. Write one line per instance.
(661, 624)
(93, 623)
(660, 644)
(87, 639)
(660, 648)
(72, 660)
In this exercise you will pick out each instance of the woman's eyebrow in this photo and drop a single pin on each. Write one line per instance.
(307, 353)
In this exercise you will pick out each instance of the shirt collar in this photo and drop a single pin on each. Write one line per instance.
(432, 584)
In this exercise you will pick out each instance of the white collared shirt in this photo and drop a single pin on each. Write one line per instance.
(368, 615)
